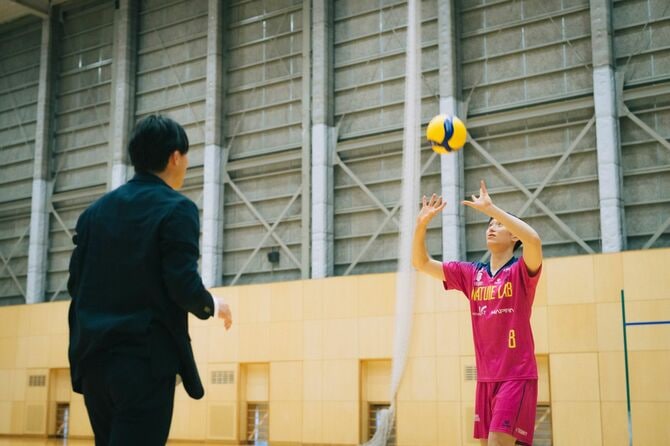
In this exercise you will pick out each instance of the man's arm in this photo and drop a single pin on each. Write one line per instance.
(532, 244)
(180, 252)
(420, 257)
(76, 259)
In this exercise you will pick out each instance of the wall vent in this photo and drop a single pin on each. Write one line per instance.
(37, 380)
(223, 377)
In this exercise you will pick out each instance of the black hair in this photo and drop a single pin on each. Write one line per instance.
(518, 242)
(153, 140)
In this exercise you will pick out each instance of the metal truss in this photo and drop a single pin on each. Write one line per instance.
(625, 112)
(390, 214)
(6, 260)
(24, 142)
(533, 197)
(51, 192)
(270, 229)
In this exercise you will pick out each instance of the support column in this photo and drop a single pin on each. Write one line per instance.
(323, 141)
(39, 213)
(123, 90)
(306, 205)
(452, 173)
(215, 158)
(607, 129)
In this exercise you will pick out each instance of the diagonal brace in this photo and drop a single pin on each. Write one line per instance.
(267, 234)
(11, 274)
(657, 234)
(512, 179)
(260, 218)
(630, 115)
(359, 183)
(386, 220)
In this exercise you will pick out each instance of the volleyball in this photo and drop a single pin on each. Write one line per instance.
(446, 134)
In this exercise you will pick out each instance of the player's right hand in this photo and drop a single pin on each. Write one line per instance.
(430, 208)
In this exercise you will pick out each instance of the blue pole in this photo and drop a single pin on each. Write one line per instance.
(649, 323)
(625, 355)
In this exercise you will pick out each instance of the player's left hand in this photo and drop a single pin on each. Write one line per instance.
(481, 203)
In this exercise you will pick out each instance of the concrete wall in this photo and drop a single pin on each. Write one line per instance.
(20, 49)
(566, 103)
(317, 351)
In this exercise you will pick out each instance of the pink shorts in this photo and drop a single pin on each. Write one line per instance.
(508, 407)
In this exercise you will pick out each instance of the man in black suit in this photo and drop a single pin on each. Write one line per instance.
(133, 281)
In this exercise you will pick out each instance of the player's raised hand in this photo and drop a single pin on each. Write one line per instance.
(481, 203)
(430, 208)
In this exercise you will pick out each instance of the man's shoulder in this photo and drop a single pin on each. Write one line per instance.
(153, 193)
(134, 196)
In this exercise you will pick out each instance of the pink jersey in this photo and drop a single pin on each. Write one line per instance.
(500, 308)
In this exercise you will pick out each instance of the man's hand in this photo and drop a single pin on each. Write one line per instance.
(483, 203)
(224, 313)
(429, 209)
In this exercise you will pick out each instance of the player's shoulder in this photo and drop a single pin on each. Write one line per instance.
(513, 264)
(478, 265)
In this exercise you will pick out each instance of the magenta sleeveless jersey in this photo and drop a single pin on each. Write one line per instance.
(500, 308)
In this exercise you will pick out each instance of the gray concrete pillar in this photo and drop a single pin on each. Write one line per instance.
(452, 173)
(607, 129)
(323, 140)
(215, 158)
(306, 204)
(123, 90)
(39, 212)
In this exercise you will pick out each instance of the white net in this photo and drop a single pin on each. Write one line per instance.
(410, 192)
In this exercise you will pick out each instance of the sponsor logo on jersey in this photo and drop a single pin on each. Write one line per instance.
(491, 292)
(481, 311)
(503, 311)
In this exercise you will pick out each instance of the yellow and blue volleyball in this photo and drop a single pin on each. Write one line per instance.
(446, 134)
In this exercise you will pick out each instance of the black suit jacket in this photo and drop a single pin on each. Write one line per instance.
(134, 278)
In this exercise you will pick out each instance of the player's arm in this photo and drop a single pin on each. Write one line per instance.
(420, 257)
(532, 244)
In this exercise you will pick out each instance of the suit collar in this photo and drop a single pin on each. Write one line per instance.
(148, 178)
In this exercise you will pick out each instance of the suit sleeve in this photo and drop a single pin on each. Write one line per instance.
(179, 260)
(76, 258)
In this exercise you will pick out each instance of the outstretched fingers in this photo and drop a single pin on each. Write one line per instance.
(482, 188)
(433, 200)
